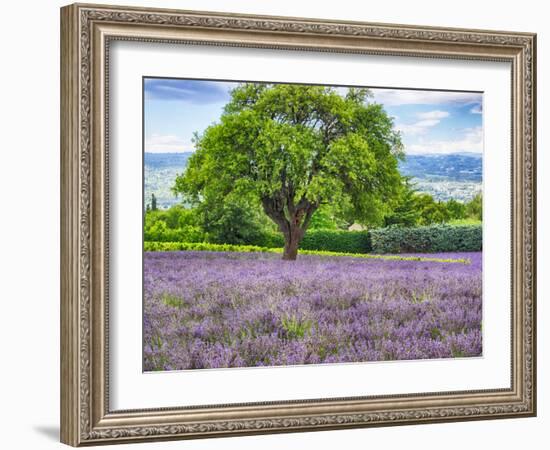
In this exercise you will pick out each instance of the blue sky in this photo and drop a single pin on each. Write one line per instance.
(431, 122)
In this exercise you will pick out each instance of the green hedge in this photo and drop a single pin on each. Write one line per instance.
(149, 246)
(337, 241)
(204, 246)
(327, 240)
(164, 234)
(269, 240)
(429, 239)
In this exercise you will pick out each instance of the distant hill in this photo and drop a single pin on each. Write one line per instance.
(457, 175)
(454, 176)
(160, 171)
(455, 167)
(166, 160)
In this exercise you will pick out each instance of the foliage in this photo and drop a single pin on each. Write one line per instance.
(456, 210)
(153, 205)
(322, 220)
(295, 328)
(474, 209)
(419, 209)
(431, 211)
(151, 246)
(270, 239)
(175, 217)
(330, 217)
(177, 225)
(174, 224)
(405, 212)
(206, 247)
(295, 148)
(430, 239)
(337, 241)
(159, 232)
(230, 220)
(330, 240)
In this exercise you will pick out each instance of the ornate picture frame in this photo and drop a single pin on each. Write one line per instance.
(87, 31)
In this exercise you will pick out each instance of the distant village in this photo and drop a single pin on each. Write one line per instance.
(445, 177)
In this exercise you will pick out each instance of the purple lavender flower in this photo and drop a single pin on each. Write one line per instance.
(212, 310)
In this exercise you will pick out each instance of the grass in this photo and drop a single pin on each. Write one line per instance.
(150, 246)
(464, 222)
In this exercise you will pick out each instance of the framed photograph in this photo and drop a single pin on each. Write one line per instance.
(276, 224)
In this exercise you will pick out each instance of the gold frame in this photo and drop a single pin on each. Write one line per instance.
(86, 31)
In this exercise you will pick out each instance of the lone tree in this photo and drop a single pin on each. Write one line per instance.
(294, 148)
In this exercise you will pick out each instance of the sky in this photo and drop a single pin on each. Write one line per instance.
(430, 122)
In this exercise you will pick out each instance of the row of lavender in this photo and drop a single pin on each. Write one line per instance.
(214, 309)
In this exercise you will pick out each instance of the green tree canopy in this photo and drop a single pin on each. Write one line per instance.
(231, 219)
(431, 211)
(474, 209)
(406, 211)
(294, 148)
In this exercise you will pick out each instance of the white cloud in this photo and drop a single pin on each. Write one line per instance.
(427, 120)
(394, 97)
(420, 127)
(433, 115)
(471, 141)
(477, 109)
(159, 143)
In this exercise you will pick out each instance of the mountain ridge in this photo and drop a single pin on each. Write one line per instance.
(445, 176)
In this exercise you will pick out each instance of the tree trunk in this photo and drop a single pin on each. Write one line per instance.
(292, 241)
(293, 223)
(290, 252)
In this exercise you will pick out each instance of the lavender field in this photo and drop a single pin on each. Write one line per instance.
(214, 309)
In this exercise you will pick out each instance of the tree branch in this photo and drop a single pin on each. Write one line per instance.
(274, 208)
(309, 214)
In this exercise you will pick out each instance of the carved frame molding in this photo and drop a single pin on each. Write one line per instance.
(86, 31)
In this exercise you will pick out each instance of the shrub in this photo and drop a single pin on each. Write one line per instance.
(269, 239)
(428, 239)
(161, 233)
(149, 246)
(328, 240)
(232, 220)
(207, 247)
(337, 241)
